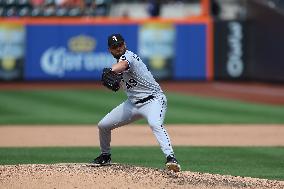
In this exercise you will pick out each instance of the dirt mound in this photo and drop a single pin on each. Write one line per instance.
(119, 176)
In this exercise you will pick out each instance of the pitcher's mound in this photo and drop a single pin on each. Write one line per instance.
(119, 176)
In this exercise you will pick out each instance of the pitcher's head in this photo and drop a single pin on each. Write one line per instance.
(116, 45)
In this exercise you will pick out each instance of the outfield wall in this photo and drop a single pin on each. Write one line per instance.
(76, 49)
(266, 35)
(250, 48)
(173, 49)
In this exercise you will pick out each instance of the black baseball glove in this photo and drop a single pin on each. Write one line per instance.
(111, 80)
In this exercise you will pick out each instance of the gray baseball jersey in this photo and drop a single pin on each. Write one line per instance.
(140, 86)
(138, 82)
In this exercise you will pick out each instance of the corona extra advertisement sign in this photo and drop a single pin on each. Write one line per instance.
(68, 52)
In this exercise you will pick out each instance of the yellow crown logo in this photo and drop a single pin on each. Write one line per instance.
(8, 63)
(82, 43)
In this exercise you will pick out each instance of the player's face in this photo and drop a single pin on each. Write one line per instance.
(118, 50)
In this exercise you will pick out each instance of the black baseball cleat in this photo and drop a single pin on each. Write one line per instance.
(172, 164)
(103, 159)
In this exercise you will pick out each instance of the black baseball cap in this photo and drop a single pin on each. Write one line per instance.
(115, 39)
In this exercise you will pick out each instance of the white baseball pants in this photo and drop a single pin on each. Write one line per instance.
(153, 111)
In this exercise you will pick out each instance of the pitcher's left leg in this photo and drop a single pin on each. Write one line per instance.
(155, 112)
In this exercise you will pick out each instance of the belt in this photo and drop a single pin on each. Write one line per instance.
(144, 99)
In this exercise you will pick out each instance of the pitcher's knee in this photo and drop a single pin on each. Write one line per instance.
(102, 125)
(154, 124)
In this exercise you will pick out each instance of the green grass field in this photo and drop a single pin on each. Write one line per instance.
(258, 162)
(89, 106)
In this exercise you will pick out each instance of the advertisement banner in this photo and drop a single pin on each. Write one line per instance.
(230, 50)
(12, 45)
(72, 52)
(79, 52)
(156, 48)
(191, 52)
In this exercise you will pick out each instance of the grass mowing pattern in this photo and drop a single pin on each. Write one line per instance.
(89, 106)
(260, 162)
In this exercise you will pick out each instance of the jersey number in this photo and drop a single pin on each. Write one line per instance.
(130, 83)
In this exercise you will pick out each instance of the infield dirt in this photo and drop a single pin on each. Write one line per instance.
(120, 176)
(139, 135)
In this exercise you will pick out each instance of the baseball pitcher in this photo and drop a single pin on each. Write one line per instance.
(145, 100)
